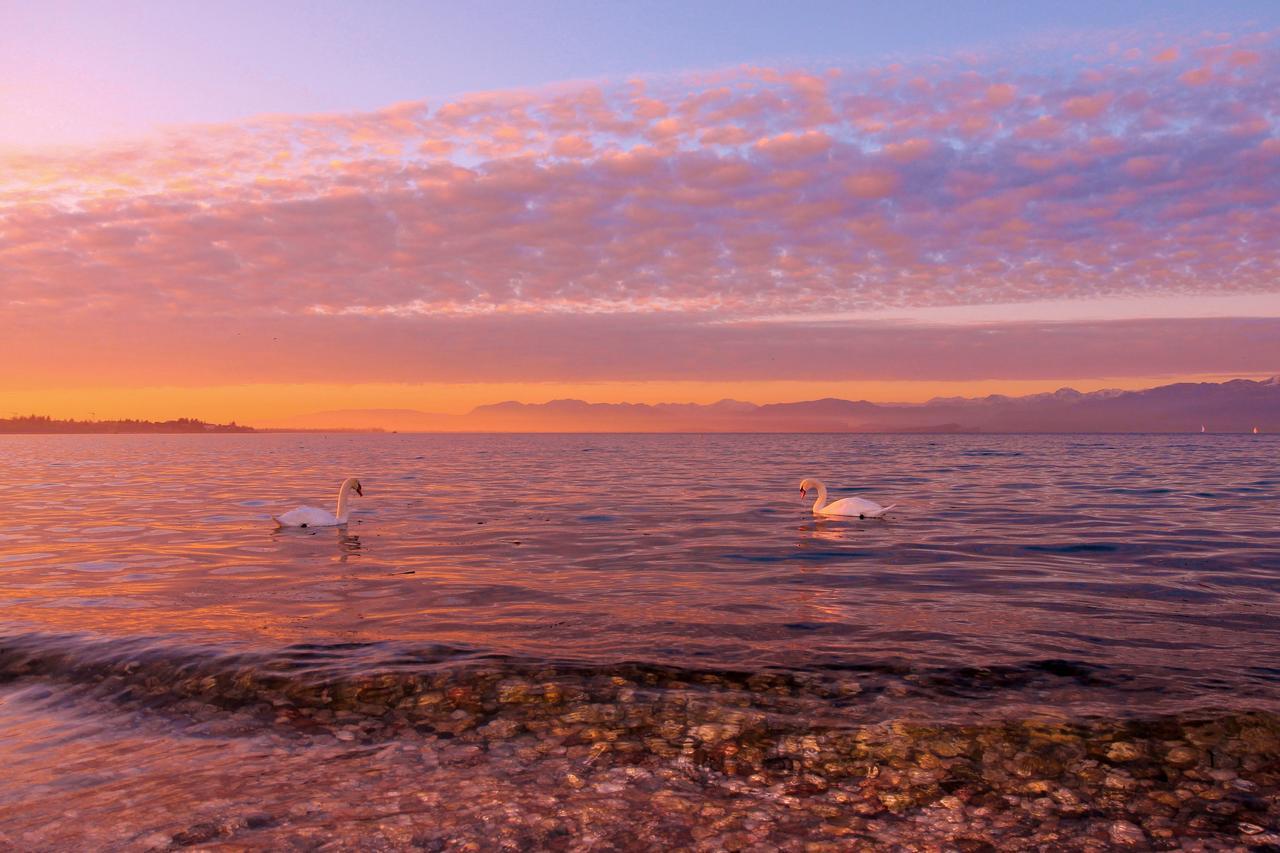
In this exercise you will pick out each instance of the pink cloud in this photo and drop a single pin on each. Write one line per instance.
(725, 135)
(572, 145)
(910, 150)
(1244, 58)
(1084, 107)
(872, 184)
(1042, 127)
(794, 146)
(1001, 94)
(1196, 76)
(1144, 167)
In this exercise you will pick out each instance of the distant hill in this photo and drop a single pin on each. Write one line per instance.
(39, 424)
(1235, 406)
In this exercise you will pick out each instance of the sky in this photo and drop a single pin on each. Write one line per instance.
(253, 211)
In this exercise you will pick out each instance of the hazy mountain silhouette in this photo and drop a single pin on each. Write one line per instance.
(1235, 406)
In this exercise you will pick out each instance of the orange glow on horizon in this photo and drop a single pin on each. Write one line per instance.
(275, 405)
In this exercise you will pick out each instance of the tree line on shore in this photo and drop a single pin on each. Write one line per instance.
(33, 424)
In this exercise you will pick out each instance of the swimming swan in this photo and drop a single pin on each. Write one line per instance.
(847, 508)
(309, 516)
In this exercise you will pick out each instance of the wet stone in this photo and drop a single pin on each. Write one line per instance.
(1124, 751)
(1125, 833)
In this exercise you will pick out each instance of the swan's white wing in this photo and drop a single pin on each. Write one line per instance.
(856, 508)
(307, 516)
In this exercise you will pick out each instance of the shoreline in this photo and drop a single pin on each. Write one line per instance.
(708, 761)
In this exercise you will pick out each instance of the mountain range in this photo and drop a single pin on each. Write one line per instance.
(1238, 405)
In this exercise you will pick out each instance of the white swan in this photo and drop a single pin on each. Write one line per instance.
(309, 516)
(847, 508)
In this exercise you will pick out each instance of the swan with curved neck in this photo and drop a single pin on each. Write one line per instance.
(845, 508)
(310, 516)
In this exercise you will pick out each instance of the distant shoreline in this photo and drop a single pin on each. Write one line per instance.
(45, 425)
(1237, 406)
(587, 432)
(42, 424)
(8, 427)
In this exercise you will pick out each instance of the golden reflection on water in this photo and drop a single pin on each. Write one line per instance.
(678, 548)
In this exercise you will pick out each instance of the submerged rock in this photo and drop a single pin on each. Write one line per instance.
(715, 760)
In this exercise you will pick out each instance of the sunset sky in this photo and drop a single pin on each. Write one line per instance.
(253, 211)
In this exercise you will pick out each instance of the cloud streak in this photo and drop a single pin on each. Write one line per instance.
(618, 347)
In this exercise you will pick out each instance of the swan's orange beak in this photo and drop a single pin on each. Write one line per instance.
(802, 493)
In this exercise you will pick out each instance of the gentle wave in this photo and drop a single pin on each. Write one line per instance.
(379, 678)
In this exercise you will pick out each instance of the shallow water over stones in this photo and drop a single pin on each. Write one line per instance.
(560, 763)
(238, 748)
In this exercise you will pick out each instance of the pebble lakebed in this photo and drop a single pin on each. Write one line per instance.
(490, 754)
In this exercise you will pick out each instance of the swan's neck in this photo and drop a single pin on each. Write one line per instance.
(344, 497)
(822, 498)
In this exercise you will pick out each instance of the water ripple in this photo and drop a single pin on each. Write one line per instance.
(1120, 551)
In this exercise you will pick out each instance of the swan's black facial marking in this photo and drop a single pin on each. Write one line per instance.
(302, 525)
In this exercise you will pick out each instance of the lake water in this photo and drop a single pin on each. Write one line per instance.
(637, 642)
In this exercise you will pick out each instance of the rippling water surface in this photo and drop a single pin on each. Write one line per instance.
(569, 625)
